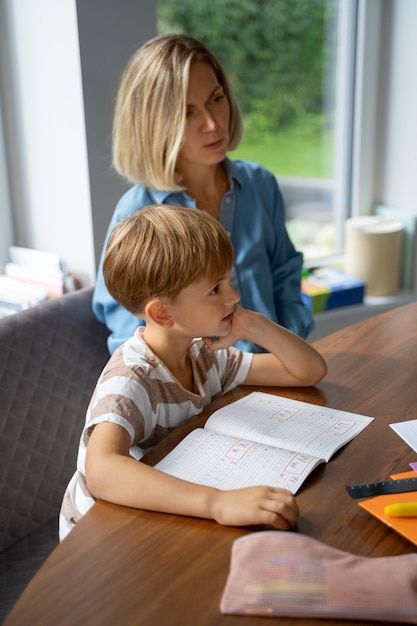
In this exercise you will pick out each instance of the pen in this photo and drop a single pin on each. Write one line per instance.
(402, 509)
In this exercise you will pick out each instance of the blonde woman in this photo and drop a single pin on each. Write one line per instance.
(175, 120)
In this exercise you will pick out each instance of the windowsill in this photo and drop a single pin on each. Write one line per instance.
(327, 322)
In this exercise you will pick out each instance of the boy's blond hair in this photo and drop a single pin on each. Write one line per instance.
(150, 113)
(161, 250)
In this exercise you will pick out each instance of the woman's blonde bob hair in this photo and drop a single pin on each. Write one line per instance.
(160, 250)
(150, 112)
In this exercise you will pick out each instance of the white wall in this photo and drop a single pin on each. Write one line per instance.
(49, 189)
(109, 33)
(63, 67)
(397, 124)
(6, 231)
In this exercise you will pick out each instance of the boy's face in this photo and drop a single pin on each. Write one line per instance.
(205, 308)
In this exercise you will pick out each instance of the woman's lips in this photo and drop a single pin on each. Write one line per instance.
(215, 145)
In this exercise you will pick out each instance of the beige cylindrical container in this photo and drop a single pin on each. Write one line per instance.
(373, 252)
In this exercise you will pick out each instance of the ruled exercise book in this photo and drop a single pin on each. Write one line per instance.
(262, 439)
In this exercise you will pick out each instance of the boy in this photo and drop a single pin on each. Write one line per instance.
(171, 266)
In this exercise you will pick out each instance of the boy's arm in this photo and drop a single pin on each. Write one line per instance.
(113, 475)
(290, 361)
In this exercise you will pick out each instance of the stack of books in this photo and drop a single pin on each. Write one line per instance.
(30, 277)
(328, 288)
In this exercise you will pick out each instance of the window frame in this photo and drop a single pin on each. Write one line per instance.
(357, 65)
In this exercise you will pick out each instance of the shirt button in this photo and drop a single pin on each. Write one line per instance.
(228, 200)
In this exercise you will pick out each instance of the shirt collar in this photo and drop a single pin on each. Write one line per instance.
(233, 171)
(161, 196)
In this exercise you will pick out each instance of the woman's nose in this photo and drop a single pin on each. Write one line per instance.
(209, 122)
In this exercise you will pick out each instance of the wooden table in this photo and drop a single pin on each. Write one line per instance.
(121, 566)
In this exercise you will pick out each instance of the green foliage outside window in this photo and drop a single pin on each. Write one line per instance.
(278, 56)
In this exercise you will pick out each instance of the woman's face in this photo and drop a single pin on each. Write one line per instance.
(206, 136)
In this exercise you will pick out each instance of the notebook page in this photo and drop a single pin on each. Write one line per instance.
(286, 423)
(223, 462)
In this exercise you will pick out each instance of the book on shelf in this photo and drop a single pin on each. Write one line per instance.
(36, 267)
(16, 295)
(32, 276)
(262, 439)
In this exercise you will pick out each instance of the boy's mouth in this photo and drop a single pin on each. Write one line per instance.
(228, 318)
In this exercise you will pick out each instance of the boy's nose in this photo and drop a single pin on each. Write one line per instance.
(234, 295)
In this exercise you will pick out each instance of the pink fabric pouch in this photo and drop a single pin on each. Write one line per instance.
(287, 574)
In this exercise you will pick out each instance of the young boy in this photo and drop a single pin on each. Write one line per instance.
(171, 266)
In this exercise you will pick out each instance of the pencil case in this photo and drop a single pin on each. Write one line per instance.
(288, 574)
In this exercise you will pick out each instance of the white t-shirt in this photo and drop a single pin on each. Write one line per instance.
(138, 392)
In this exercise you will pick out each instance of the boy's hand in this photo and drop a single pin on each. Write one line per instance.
(238, 330)
(288, 361)
(256, 505)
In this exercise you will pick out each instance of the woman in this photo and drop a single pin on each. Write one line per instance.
(175, 120)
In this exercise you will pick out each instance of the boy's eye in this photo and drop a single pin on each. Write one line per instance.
(215, 290)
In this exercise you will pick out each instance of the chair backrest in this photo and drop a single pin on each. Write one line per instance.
(51, 356)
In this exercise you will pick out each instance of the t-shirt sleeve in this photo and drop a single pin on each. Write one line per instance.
(234, 366)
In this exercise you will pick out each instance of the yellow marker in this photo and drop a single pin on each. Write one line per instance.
(402, 509)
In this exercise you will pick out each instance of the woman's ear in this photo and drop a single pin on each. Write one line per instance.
(159, 313)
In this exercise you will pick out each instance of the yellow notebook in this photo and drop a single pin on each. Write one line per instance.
(405, 526)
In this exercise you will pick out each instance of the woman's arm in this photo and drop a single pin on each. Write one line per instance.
(268, 265)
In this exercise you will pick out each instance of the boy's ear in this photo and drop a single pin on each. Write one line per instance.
(158, 312)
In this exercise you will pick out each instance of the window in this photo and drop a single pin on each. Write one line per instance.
(291, 65)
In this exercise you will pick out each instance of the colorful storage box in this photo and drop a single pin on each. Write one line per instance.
(329, 288)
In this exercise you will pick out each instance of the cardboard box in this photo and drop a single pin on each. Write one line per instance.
(329, 288)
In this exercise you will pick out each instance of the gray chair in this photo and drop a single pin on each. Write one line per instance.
(50, 359)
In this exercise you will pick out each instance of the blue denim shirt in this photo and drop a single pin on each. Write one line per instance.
(267, 268)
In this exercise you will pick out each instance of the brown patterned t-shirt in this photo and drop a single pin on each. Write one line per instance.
(138, 392)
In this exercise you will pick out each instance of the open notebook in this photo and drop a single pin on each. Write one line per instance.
(262, 439)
